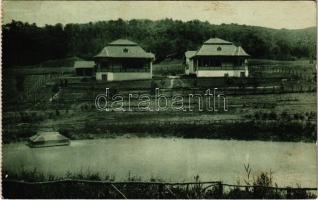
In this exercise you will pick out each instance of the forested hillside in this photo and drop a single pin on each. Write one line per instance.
(26, 44)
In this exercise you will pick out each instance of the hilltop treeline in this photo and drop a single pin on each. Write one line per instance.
(26, 44)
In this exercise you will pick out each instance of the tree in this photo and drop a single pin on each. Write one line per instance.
(28, 44)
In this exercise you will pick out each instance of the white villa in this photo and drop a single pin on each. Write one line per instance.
(123, 60)
(217, 58)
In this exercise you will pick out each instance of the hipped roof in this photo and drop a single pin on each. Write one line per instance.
(124, 49)
(84, 64)
(219, 47)
(189, 54)
(47, 136)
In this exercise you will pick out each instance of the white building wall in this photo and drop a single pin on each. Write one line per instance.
(189, 69)
(99, 75)
(221, 73)
(246, 71)
(120, 76)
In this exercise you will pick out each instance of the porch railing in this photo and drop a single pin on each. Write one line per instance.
(221, 68)
(124, 70)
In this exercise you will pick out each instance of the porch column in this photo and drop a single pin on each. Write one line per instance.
(150, 68)
(197, 68)
(246, 67)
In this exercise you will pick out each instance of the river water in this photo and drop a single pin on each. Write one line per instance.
(170, 159)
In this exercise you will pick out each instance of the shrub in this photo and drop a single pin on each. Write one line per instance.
(272, 116)
(57, 112)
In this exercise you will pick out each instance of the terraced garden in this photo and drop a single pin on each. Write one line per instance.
(281, 92)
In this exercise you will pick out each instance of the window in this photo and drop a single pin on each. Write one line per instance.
(125, 50)
(219, 49)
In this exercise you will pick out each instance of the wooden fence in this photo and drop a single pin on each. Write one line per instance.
(162, 189)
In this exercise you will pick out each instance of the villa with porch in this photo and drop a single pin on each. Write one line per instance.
(123, 60)
(217, 58)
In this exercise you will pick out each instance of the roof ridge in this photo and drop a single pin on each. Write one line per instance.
(216, 40)
(122, 42)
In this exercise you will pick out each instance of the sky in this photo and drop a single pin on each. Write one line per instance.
(272, 14)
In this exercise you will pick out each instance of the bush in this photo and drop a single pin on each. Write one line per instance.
(97, 190)
(272, 116)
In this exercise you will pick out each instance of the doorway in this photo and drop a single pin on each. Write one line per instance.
(104, 77)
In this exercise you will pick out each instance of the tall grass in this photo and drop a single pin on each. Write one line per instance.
(256, 186)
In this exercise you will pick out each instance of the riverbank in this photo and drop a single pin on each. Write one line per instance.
(36, 185)
(262, 130)
(238, 130)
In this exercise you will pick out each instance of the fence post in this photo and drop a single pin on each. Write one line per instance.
(160, 190)
(288, 193)
(220, 189)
